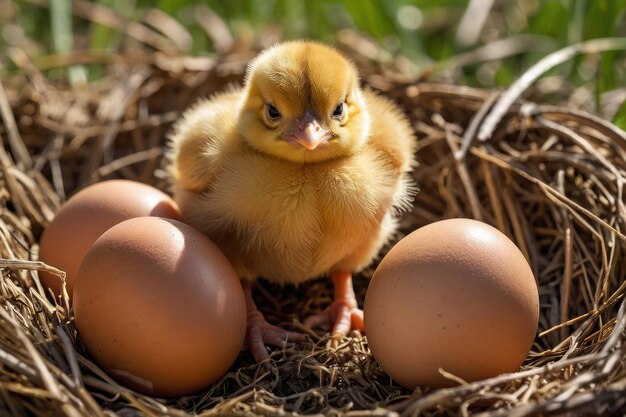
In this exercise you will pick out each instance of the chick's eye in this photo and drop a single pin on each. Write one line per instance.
(338, 112)
(272, 113)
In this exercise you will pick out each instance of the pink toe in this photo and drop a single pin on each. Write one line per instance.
(321, 320)
(358, 323)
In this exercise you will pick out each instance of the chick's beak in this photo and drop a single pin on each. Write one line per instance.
(307, 132)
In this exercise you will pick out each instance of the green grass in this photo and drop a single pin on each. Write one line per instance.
(556, 23)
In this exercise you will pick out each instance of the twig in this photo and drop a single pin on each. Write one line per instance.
(463, 173)
(215, 28)
(15, 141)
(497, 50)
(522, 83)
(32, 265)
(170, 27)
(566, 284)
(469, 135)
(472, 22)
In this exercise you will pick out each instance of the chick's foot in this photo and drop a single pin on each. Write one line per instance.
(343, 314)
(259, 332)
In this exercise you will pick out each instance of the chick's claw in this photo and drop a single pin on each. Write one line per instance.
(341, 316)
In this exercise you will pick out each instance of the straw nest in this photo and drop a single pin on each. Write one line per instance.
(549, 177)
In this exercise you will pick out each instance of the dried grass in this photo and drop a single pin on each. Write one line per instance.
(551, 178)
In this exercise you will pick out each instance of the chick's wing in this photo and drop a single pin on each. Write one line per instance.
(201, 140)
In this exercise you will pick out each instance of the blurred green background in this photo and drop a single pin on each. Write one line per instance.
(485, 43)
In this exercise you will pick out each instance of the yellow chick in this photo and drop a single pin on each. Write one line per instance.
(297, 175)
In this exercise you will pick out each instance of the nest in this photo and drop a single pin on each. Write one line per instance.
(550, 178)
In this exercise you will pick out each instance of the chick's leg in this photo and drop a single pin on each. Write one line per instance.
(343, 314)
(259, 332)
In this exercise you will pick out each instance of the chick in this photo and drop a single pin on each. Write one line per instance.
(297, 175)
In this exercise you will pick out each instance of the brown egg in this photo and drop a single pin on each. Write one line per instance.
(457, 295)
(88, 214)
(159, 307)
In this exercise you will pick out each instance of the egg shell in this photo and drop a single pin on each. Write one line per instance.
(456, 294)
(88, 214)
(159, 307)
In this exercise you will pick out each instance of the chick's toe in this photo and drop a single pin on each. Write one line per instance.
(259, 332)
(343, 315)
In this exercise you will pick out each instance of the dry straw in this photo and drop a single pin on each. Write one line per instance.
(549, 177)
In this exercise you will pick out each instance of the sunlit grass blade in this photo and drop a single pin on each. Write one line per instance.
(63, 38)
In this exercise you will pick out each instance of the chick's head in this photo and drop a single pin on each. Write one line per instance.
(302, 103)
